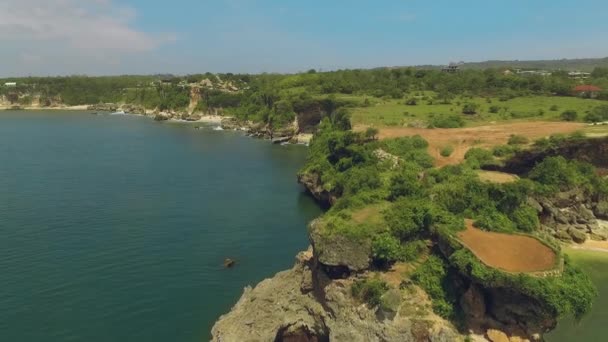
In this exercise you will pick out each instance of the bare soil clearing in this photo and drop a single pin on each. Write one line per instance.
(462, 139)
(512, 253)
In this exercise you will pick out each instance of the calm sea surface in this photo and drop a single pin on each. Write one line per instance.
(594, 326)
(114, 228)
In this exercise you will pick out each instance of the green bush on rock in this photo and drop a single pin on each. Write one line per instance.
(369, 290)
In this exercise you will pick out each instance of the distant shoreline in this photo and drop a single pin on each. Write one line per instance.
(85, 108)
(79, 107)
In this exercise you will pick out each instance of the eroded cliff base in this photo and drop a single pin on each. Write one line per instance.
(303, 304)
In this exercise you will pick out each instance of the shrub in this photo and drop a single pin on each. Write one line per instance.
(478, 157)
(470, 108)
(525, 218)
(569, 115)
(360, 179)
(411, 250)
(494, 109)
(577, 135)
(405, 183)
(432, 277)
(446, 151)
(504, 150)
(369, 290)
(409, 219)
(554, 108)
(515, 139)
(371, 133)
(412, 149)
(598, 114)
(556, 172)
(411, 102)
(446, 121)
(386, 249)
(493, 220)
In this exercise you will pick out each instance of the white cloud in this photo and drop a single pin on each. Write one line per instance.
(85, 33)
(82, 25)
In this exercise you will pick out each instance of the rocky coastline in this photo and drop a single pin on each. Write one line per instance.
(313, 301)
(288, 134)
(305, 304)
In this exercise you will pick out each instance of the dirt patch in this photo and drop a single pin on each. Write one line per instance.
(397, 273)
(497, 177)
(512, 253)
(462, 139)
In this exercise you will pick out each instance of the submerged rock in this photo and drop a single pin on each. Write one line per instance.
(104, 107)
(279, 140)
(228, 263)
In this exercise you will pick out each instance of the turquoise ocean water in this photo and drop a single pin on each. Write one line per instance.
(114, 228)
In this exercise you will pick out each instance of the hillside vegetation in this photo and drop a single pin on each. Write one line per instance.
(393, 207)
(380, 97)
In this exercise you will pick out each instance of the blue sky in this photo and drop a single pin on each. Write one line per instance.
(49, 37)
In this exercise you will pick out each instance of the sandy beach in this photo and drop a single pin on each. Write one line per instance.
(591, 245)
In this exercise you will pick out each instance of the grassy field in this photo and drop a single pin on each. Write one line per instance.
(381, 113)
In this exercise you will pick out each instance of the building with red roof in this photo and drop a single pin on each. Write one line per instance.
(587, 90)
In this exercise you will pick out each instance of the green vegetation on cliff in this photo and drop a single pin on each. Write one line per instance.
(392, 200)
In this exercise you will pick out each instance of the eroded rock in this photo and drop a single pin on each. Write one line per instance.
(338, 252)
(277, 310)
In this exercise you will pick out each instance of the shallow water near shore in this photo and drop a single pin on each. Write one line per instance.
(593, 326)
(114, 228)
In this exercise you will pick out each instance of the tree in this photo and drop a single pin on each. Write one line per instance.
(598, 114)
(569, 115)
(371, 133)
(470, 108)
(341, 119)
(599, 72)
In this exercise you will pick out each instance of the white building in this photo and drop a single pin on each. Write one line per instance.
(10, 84)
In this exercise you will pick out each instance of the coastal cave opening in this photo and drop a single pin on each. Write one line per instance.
(336, 272)
(302, 333)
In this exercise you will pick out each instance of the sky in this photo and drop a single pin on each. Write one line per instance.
(113, 37)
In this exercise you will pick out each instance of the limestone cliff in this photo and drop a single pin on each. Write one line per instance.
(304, 304)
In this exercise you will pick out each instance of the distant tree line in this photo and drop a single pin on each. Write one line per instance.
(276, 98)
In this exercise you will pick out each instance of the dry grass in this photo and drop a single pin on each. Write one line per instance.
(496, 177)
(462, 139)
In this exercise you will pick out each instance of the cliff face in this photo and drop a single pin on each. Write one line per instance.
(573, 216)
(502, 309)
(304, 304)
(313, 184)
(592, 151)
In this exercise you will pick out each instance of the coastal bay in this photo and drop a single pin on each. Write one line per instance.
(115, 227)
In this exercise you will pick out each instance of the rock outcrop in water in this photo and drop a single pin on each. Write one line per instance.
(304, 304)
